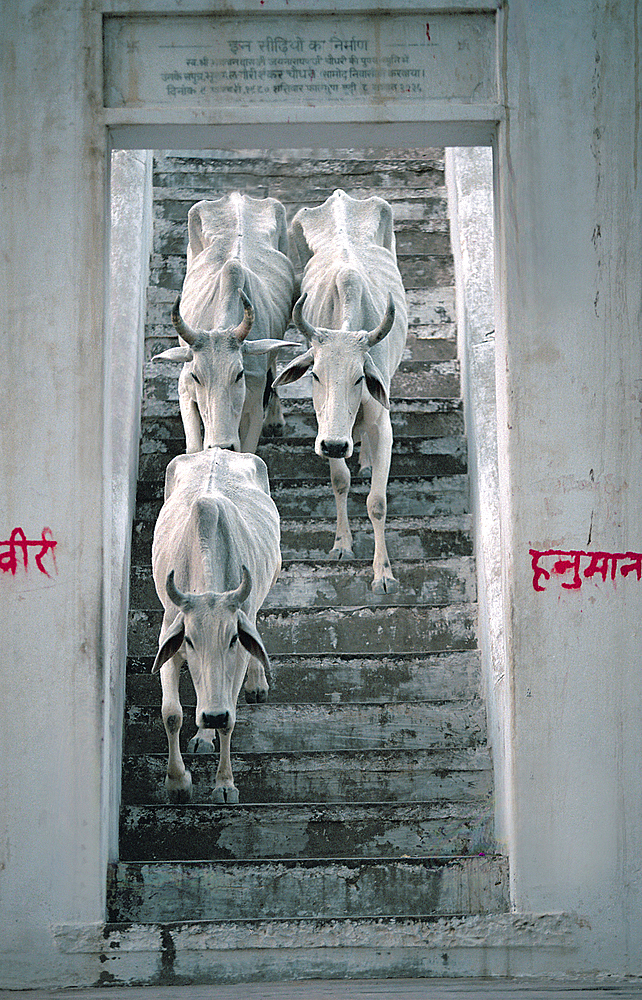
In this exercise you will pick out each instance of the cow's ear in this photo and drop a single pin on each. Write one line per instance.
(175, 354)
(374, 382)
(265, 346)
(295, 370)
(251, 640)
(170, 642)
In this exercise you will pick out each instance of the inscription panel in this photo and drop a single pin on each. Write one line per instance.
(214, 61)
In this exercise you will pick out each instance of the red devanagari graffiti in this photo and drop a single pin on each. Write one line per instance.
(15, 550)
(577, 565)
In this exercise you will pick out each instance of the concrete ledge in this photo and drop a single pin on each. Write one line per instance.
(246, 951)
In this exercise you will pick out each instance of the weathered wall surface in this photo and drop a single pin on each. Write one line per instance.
(568, 363)
(52, 160)
(568, 366)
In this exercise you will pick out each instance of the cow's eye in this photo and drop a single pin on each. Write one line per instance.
(234, 640)
(239, 376)
(196, 378)
(360, 379)
(314, 375)
(189, 642)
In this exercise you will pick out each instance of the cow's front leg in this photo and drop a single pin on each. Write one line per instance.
(380, 436)
(252, 415)
(273, 421)
(256, 685)
(178, 780)
(340, 478)
(225, 791)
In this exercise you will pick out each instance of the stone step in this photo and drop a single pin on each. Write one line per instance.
(415, 380)
(416, 272)
(406, 539)
(300, 830)
(326, 584)
(431, 311)
(202, 953)
(338, 679)
(439, 496)
(423, 418)
(294, 459)
(416, 237)
(423, 350)
(359, 630)
(273, 728)
(384, 775)
(240, 890)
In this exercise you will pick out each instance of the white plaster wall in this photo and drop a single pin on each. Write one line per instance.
(52, 164)
(569, 373)
(469, 179)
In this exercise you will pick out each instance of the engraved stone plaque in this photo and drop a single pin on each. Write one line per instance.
(207, 61)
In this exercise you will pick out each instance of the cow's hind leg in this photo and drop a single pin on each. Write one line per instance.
(178, 780)
(380, 435)
(225, 791)
(340, 478)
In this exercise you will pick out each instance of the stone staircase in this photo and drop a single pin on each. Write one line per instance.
(363, 842)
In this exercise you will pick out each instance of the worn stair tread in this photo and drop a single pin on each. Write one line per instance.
(324, 776)
(341, 678)
(359, 629)
(307, 887)
(327, 583)
(407, 538)
(324, 830)
(278, 727)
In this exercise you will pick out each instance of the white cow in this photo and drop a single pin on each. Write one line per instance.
(215, 555)
(236, 260)
(353, 314)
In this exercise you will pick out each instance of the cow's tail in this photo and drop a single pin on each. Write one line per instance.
(232, 281)
(353, 300)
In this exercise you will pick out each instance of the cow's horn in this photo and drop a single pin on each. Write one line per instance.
(244, 327)
(236, 597)
(302, 324)
(181, 327)
(175, 595)
(385, 326)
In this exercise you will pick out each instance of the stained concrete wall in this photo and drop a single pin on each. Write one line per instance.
(568, 231)
(570, 446)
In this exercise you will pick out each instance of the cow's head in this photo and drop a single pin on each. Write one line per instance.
(214, 373)
(215, 634)
(342, 369)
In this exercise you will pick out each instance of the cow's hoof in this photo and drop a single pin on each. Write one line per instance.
(385, 585)
(198, 745)
(226, 796)
(179, 790)
(366, 472)
(339, 553)
(255, 697)
(274, 430)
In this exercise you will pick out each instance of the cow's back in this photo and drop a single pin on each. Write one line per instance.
(218, 515)
(347, 248)
(238, 242)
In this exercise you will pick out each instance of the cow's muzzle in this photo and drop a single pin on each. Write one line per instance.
(220, 720)
(334, 449)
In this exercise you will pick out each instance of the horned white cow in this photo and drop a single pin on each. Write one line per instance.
(353, 314)
(215, 555)
(230, 317)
